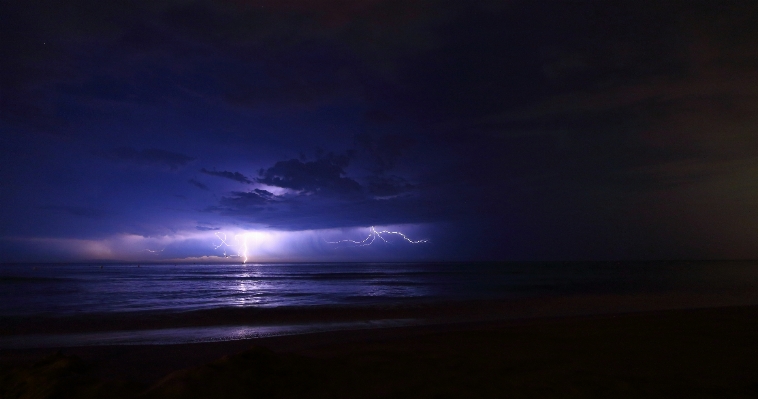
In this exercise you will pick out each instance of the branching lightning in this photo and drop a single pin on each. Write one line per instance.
(262, 242)
(222, 244)
(241, 245)
(373, 235)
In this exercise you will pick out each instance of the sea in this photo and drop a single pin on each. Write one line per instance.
(57, 291)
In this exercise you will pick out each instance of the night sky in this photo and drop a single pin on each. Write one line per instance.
(496, 130)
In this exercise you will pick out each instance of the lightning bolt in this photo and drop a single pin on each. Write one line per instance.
(244, 246)
(222, 244)
(373, 235)
(241, 244)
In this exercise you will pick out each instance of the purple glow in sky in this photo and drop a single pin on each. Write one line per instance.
(513, 130)
(229, 245)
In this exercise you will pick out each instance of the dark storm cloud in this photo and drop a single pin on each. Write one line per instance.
(42, 63)
(637, 137)
(63, 62)
(206, 228)
(323, 195)
(151, 157)
(607, 102)
(384, 186)
(236, 176)
(198, 184)
(304, 212)
(384, 150)
(79, 211)
(246, 201)
(479, 60)
(545, 128)
(323, 176)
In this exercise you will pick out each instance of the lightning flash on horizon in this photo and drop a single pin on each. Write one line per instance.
(266, 242)
(373, 235)
(242, 252)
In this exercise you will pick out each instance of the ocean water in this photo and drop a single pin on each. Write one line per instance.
(66, 289)
(42, 291)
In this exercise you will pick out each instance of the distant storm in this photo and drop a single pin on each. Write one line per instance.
(496, 130)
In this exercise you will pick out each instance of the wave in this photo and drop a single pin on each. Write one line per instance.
(29, 279)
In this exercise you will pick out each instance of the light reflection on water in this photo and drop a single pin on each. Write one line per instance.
(89, 288)
(76, 289)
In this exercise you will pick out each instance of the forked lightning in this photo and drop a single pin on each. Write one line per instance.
(373, 235)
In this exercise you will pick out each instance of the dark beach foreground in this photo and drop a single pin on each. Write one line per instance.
(680, 353)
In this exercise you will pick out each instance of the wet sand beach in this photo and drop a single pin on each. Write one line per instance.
(706, 352)
(431, 312)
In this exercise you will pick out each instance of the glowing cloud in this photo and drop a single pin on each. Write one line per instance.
(232, 244)
(244, 241)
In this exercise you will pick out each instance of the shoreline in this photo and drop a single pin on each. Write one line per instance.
(709, 350)
(423, 312)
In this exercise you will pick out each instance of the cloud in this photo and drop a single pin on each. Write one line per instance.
(336, 14)
(383, 151)
(386, 186)
(634, 136)
(79, 211)
(320, 194)
(65, 63)
(206, 228)
(306, 212)
(246, 201)
(236, 176)
(149, 157)
(198, 184)
(323, 176)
